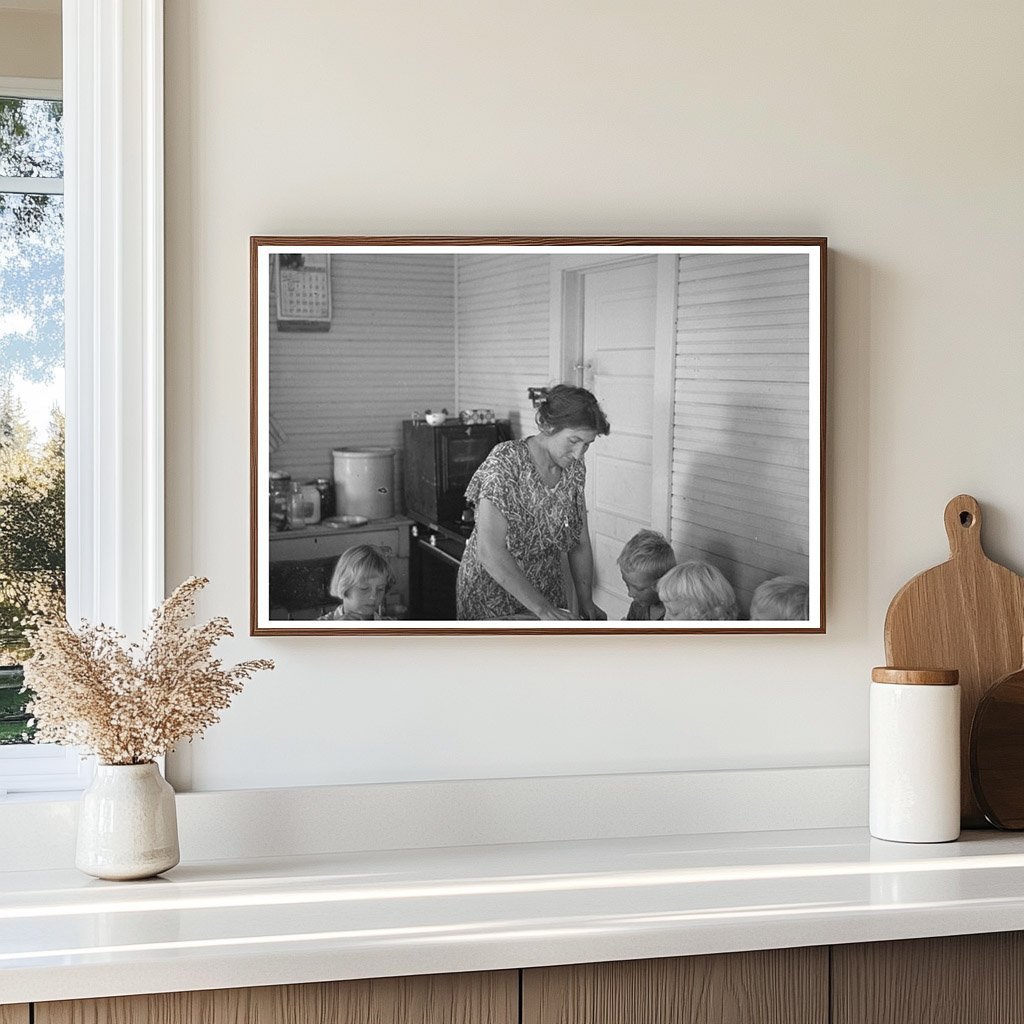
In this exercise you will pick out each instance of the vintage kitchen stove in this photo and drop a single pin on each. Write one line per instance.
(438, 464)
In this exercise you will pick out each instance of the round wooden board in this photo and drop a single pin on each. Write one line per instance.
(997, 752)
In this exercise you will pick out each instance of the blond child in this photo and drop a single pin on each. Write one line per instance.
(361, 579)
(784, 597)
(644, 559)
(697, 591)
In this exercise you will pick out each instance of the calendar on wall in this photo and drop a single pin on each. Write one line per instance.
(303, 291)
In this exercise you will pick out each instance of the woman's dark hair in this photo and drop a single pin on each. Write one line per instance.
(566, 406)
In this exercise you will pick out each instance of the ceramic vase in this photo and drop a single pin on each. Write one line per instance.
(127, 825)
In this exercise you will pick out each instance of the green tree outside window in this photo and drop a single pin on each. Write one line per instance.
(31, 357)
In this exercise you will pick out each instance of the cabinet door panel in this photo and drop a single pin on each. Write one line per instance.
(961, 979)
(480, 998)
(779, 986)
(16, 1013)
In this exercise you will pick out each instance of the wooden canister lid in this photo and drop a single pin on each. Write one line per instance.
(916, 676)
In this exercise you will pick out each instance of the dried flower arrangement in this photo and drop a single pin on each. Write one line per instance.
(129, 704)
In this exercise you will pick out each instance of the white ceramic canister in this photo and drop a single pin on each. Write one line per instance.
(915, 755)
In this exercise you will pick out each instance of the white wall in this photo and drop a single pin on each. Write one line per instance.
(30, 43)
(504, 330)
(892, 128)
(740, 454)
(390, 350)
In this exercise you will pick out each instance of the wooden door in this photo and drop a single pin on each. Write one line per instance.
(960, 979)
(479, 998)
(779, 986)
(617, 364)
(14, 1014)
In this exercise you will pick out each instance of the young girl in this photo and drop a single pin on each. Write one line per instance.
(697, 591)
(361, 579)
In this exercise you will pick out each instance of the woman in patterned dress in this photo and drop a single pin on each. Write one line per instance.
(530, 510)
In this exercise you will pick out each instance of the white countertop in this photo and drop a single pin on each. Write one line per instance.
(224, 924)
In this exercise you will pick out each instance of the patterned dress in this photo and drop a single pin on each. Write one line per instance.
(543, 524)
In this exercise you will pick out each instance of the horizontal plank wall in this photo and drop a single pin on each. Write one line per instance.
(479, 998)
(962, 979)
(740, 464)
(390, 351)
(780, 986)
(503, 334)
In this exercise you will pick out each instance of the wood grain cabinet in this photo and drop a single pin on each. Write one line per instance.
(777, 986)
(972, 979)
(480, 998)
(963, 979)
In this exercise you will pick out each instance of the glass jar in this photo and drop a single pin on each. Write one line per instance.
(311, 511)
(280, 489)
(296, 507)
(326, 489)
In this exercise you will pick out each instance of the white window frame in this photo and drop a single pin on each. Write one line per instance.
(114, 336)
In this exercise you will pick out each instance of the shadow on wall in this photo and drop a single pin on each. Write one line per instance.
(740, 488)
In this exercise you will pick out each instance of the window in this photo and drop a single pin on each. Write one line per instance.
(31, 381)
(32, 536)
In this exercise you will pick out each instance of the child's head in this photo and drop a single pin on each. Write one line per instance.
(697, 591)
(645, 558)
(784, 597)
(361, 579)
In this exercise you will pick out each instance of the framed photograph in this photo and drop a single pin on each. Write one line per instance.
(537, 435)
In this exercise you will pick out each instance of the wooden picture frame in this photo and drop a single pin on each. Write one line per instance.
(708, 356)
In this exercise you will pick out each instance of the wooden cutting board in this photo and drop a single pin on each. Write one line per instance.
(967, 614)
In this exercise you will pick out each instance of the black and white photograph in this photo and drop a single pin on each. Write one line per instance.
(468, 435)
